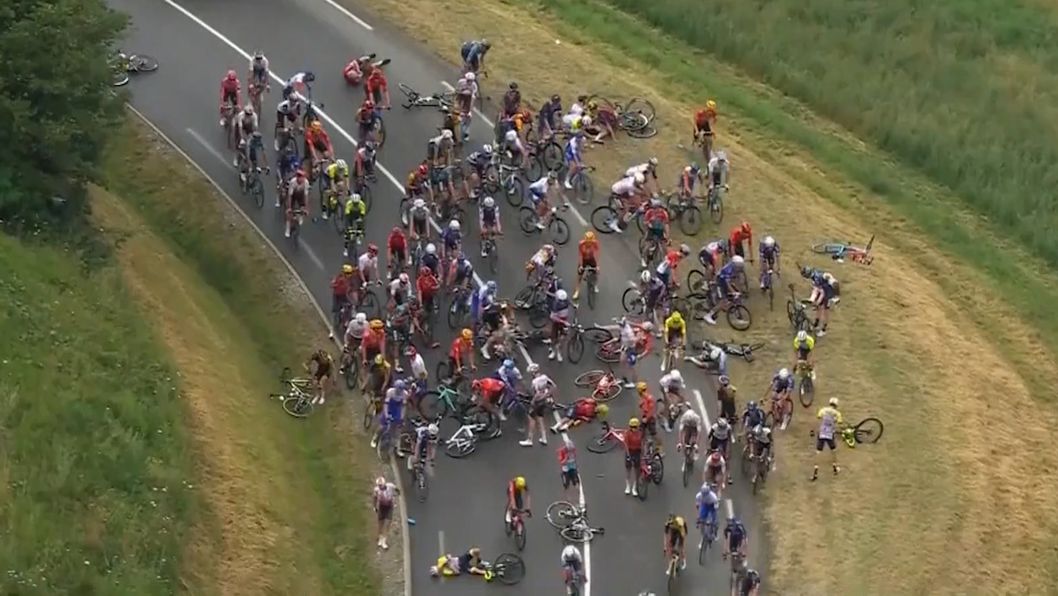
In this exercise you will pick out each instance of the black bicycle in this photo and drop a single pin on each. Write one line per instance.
(414, 99)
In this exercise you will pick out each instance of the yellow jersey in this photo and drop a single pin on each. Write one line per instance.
(676, 324)
(677, 526)
(333, 171)
(830, 419)
(806, 346)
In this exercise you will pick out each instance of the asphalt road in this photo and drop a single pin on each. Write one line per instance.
(195, 46)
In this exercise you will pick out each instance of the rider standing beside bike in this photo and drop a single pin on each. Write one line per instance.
(740, 241)
(377, 88)
(473, 55)
(567, 465)
(769, 257)
(366, 118)
(321, 366)
(543, 389)
(560, 316)
(633, 441)
(829, 420)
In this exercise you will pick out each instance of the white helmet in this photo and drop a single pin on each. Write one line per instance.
(486, 149)
(355, 197)
(645, 276)
(446, 134)
(341, 164)
(380, 481)
(769, 241)
(802, 335)
(585, 121)
(533, 368)
(715, 353)
(432, 430)
(404, 279)
(431, 249)
(722, 422)
(419, 203)
(676, 376)
(549, 248)
(248, 108)
(361, 318)
(738, 261)
(833, 402)
(511, 136)
(784, 373)
(471, 76)
(721, 155)
(765, 431)
(453, 225)
(488, 202)
(640, 179)
(570, 553)
(653, 161)
(561, 295)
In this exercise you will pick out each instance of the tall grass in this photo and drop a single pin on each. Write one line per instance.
(94, 468)
(961, 90)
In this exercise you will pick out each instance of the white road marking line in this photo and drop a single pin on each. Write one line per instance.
(441, 543)
(311, 253)
(352, 16)
(205, 145)
(701, 407)
(483, 117)
(730, 506)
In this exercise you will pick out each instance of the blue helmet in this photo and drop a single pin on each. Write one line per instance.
(399, 384)
(491, 286)
(508, 364)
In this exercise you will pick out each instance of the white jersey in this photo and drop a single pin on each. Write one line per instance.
(298, 80)
(628, 336)
(367, 263)
(242, 119)
(576, 109)
(397, 289)
(418, 367)
(643, 168)
(721, 433)
(690, 419)
(706, 496)
(542, 385)
(540, 258)
(540, 187)
(355, 330)
(717, 166)
(625, 187)
(670, 382)
(261, 66)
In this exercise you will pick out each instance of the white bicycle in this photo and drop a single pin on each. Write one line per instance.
(465, 440)
(571, 521)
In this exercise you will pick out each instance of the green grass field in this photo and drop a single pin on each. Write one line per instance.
(95, 466)
(960, 90)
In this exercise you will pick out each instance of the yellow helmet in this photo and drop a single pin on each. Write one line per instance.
(602, 409)
(380, 359)
(347, 269)
(519, 483)
(676, 316)
(592, 105)
(467, 334)
(377, 324)
(589, 235)
(641, 386)
(316, 125)
(633, 423)
(710, 104)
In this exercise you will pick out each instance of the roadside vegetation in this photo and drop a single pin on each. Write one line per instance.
(947, 321)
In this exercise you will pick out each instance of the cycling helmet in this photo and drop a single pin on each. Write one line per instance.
(640, 179)
(570, 553)
(316, 126)
(784, 373)
(633, 423)
(552, 175)
(399, 386)
(341, 164)
(725, 381)
(423, 169)
(380, 481)
(738, 261)
(511, 136)
(802, 335)
(356, 198)
(404, 279)
(491, 286)
(556, 98)
(721, 155)
(549, 248)
(647, 326)
(722, 422)
(373, 249)
(248, 109)
(513, 86)
(715, 354)
(833, 402)
(488, 203)
(685, 250)
(653, 161)
(432, 430)
(769, 241)
(431, 249)
(347, 269)
(419, 204)
(309, 76)
(232, 75)
(467, 334)
(586, 121)
(446, 134)
(752, 405)
(533, 368)
(379, 358)
(589, 235)
(645, 276)
(453, 225)
(765, 431)
(487, 149)
(361, 318)
(601, 410)
(655, 201)
(676, 376)
(561, 295)
(519, 483)
(641, 387)
(710, 104)
(283, 107)
(695, 168)
(377, 324)
(508, 364)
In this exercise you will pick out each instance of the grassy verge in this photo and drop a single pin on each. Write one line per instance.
(944, 321)
(96, 474)
(286, 498)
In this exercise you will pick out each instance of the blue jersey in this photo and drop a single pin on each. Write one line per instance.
(488, 216)
(431, 261)
(727, 272)
(288, 164)
(769, 253)
(572, 150)
(451, 237)
(394, 403)
(754, 417)
(780, 385)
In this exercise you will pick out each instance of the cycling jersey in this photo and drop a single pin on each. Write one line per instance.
(573, 149)
(451, 238)
(803, 348)
(676, 528)
(779, 385)
(394, 402)
(589, 252)
(625, 187)
(829, 419)
(672, 324)
(753, 418)
(769, 253)
(727, 273)
(538, 190)
(334, 171)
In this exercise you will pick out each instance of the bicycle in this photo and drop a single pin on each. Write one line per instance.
(459, 308)
(805, 376)
(250, 181)
(685, 212)
(583, 189)
(437, 404)
(590, 380)
(797, 311)
(673, 571)
(738, 570)
(490, 252)
(508, 569)
(651, 469)
(125, 65)
(868, 430)
(299, 394)
(689, 455)
(453, 379)
(760, 470)
(738, 315)
(766, 286)
(517, 528)
(464, 441)
(715, 203)
(591, 283)
(839, 250)
(709, 531)
(297, 219)
(420, 480)
(571, 522)
(530, 223)
(414, 99)
(635, 117)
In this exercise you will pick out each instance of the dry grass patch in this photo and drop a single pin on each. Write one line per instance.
(951, 500)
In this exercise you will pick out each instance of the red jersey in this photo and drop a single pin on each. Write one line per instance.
(376, 81)
(633, 440)
(656, 215)
(492, 387)
(704, 117)
(373, 340)
(459, 349)
(229, 87)
(397, 240)
(647, 407)
(340, 284)
(317, 139)
(584, 409)
(426, 286)
(589, 250)
(738, 237)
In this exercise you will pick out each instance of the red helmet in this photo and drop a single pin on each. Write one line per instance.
(301, 173)
(397, 230)
(372, 248)
(424, 270)
(745, 227)
(232, 75)
(423, 169)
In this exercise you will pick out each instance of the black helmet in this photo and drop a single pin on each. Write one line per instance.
(513, 86)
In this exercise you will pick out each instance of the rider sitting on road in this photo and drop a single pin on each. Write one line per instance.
(470, 561)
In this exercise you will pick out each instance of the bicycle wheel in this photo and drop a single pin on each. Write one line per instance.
(583, 189)
(596, 334)
(642, 106)
(431, 406)
(514, 190)
(591, 287)
(869, 430)
(696, 281)
(536, 168)
(806, 392)
(603, 443)
(257, 191)
(657, 469)
(716, 208)
(642, 485)
(589, 378)
(352, 373)
(633, 302)
(575, 348)
(559, 230)
(646, 131)
(551, 156)
(456, 314)
(576, 534)
(509, 569)
(608, 352)
(460, 448)
(142, 63)
(691, 220)
(297, 406)
(560, 514)
(519, 536)
(829, 248)
(688, 470)
(604, 219)
(738, 317)
(538, 316)
(527, 220)
(370, 413)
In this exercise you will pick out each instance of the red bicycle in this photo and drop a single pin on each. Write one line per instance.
(651, 467)
(517, 527)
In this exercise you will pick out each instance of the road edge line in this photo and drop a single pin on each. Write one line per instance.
(405, 534)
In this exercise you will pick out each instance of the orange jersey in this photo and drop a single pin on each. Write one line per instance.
(589, 249)
(704, 117)
(738, 236)
(459, 349)
(647, 407)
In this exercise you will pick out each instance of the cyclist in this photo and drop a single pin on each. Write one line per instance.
(512, 145)
(707, 502)
(488, 222)
(652, 288)
(431, 260)
(419, 217)
(367, 116)
(397, 249)
(736, 539)
(573, 563)
(740, 242)
(690, 426)
(649, 170)
(769, 257)
(355, 216)
(354, 332)
(512, 100)
(439, 151)
(377, 88)
(718, 167)
(364, 163)
(245, 124)
(424, 445)
(540, 193)
(689, 178)
(548, 116)
(672, 386)
(470, 562)
(561, 316)
(461, 352)
(779, 391)
(489, 392)
(825, 294)
(512, 378)
(321, 365)
(636, 340)
(257, 77)
(588, 253)
(451, 240)
(426, 286)
(473, 54)
(762, 441)
(656, 219)
(317, 143)
(675, 538)
(230, 93)
(340, 287)
(393, 412)
(648, 414)
(543, 392)
(753, 417)
(335, 182)
(417, 185)
(625, 191)
(518, 501)
(297, 198)
(715, 470)
(572, 156)
(725, 278)
(633, 455)
(803, 345)
(725, 400)
(299, 83)
(712, 257)
(287, 163)
(478, 161)
(368, 262)
(542, 263)
(829, 420)
(483, 309)
(666, 269)
(712, 358)
(750, 585)
(374, 342)
(720, 440)
(675, 333)
(461, 273)
(605, 119)
(704, 122)
(399, 290)
(287, 114)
